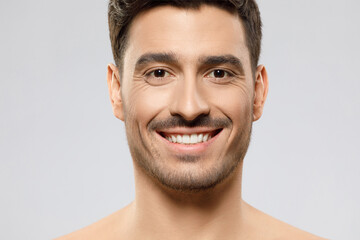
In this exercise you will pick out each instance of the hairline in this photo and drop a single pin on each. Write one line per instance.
(120, 62)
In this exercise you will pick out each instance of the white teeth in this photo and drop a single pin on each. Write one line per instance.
(189, 139)
(205, 138)
(193, 138)
(186, 139)
(200, 137)
(179, 139)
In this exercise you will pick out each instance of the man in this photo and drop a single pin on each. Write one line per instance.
(188, 86)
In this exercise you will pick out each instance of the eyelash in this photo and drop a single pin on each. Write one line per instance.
(226, 73)
(151, 73)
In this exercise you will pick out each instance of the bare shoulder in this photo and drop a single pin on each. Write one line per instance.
(103, 229)
(275, 229)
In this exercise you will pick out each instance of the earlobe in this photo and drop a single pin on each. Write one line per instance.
(260, 91)
(113, 82)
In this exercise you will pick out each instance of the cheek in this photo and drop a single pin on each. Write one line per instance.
(234, 102)
(239, 111)
(145, 103)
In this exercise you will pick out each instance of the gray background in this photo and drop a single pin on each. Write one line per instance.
(64, 160)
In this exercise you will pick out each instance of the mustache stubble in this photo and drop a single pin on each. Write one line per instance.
(179, 121)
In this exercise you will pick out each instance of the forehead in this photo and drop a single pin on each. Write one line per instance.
(189, 33)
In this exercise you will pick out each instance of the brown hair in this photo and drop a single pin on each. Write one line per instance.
(122, 12)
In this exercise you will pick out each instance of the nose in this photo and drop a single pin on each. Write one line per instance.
(189, 102)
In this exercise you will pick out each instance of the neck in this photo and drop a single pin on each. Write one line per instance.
(196, 214)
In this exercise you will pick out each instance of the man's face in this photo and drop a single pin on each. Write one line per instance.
(187, 92)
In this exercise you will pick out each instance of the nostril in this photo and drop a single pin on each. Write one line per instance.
(189, 106)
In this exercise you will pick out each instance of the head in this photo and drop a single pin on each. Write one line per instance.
(187, 85)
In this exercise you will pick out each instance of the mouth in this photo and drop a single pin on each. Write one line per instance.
(190, 137)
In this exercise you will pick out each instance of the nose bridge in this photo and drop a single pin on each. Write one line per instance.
(189, 99)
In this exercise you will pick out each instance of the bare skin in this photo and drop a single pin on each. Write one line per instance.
(188, 87)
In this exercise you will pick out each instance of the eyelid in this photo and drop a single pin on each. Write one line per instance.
(152, 70)
(228, 72)
(151, 74)
(158, 81)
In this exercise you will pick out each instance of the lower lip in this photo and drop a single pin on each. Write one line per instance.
(189, 148)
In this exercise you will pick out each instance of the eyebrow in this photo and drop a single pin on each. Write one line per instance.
(156, 57)
(172, 58)
(223, 59)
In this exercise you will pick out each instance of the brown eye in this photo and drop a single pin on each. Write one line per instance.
(159, 73)
(219, 73)
(159, 77)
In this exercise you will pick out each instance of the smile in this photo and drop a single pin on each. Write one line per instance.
(189, 138)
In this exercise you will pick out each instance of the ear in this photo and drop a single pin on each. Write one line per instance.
(261, 90)
(113, 82)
